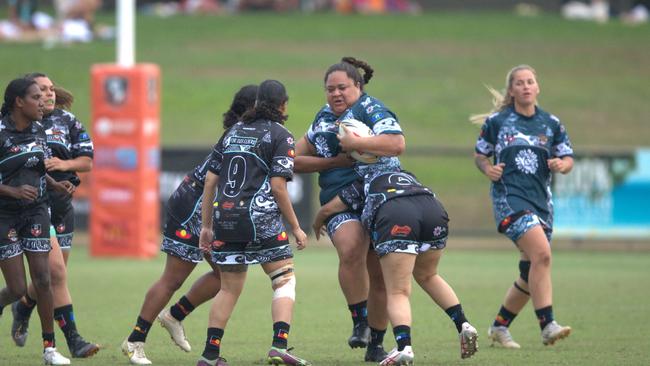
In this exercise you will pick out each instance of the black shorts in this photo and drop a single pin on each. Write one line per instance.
(26, 230)
(411, 224)
(62, 218)
(182, 240)
(272, 249)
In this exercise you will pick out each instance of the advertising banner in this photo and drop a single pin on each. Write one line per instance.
(604, 197)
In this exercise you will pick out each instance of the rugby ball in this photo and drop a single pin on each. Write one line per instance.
(359, 129)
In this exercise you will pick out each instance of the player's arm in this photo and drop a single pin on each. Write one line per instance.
(207, 210)
(330, 208)
(78, 164)
(281, 195)
(561, 165)
(385, 144)
(483, 163)
(306, 161)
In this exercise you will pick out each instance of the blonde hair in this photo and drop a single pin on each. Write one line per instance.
(501, 100)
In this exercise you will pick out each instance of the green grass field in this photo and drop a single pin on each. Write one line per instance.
(600, 294)
(430, 70)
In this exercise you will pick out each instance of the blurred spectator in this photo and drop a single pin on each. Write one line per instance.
(597, 10)
(20, 12)
(376, 6)
(638, 12)
(77, 9)
(275, 5)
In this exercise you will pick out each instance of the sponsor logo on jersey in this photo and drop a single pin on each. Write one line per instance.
(218, 243)
(36, 230)
(290, 140)
(228, 205)
(377, 116)
(183, 234)
(282, 236)
(60, 228)
(400, 230)
(291, 153)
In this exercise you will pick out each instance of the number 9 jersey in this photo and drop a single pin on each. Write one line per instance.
(246, 158)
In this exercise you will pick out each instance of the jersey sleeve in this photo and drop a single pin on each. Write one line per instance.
(282, 155)
(561, 144)
(487, 139)
(216, 157)
(378, 117)
(80, 142)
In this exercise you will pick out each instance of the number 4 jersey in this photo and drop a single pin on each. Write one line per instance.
(246, 158)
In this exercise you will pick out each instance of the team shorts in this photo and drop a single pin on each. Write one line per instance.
(24, 231)
(272, 249)
(518, 224)
(62, 218)
(411, 224)
(182, 241)
(335, 221)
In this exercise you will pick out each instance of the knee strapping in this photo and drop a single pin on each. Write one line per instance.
(286, 290)
(283, 282)
(524, 269)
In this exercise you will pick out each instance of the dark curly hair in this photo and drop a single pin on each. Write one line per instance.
(351, 66)
(243, 101)
(271, 95)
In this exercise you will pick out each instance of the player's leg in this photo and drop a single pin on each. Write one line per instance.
(181, 241)
(397, 269)
(175, 273)
(377, 312)
(515, 299)
(349, 239)
(283, 283)
(535, 244)
(202, 290)
(233, 277)
(426, 275)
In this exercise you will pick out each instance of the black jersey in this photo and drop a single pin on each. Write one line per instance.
(67, 139)
(246, 158)
(22, 156)
(185, 201)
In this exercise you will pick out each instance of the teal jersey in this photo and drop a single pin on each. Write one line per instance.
(381, 120)
(322, 134)
(524, 144)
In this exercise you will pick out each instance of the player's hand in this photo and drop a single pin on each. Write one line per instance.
(65, 187)
(494, 172)
(205, 239)
(319, 229)
(301, 238)
(347, 141)
(25, 192)
(556, 165)
(56, 164)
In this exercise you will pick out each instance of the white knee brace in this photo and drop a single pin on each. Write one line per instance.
(284, 283)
